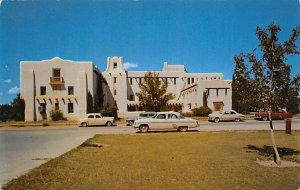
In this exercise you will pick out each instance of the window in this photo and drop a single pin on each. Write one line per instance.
(115, 92)
(192, 80)
(70, 108)
(217, 92)
(189, 80)
(175, 81)
(130, 79)
(91, 116)
(115, 79)
(131, 97)
(161, 116)
(56, 72)
(43, 90)
(56, 106)
(70, 90)
(172, 116)
(42, 108)
(98, 116)
(115, 65)
(226, 92)
(140, 81)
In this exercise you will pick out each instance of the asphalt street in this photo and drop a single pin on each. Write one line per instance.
(25, 148)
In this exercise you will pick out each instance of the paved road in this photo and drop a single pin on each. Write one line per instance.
(24, 149)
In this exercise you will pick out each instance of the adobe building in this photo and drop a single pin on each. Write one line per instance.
(75, 88)
(78, 88)
(188, 88)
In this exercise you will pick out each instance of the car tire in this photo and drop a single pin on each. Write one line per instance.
(108, 124)
(84, 124)
(182, 129)
(144, 128)
(237, 119)
(265, 119)
(217, 120)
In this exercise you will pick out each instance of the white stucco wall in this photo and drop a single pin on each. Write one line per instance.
(35, 74)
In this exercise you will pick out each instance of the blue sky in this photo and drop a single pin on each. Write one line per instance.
(204, 35)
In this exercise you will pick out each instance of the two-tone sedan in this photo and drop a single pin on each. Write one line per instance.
(165, 121)
(226, 116)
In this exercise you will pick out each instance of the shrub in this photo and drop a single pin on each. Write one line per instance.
(187, 114)
(201, 111)
(110, 111)
(56, 115)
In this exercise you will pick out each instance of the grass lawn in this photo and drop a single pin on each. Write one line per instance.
(200, 160)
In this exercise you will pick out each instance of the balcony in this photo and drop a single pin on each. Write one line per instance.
(57, 81)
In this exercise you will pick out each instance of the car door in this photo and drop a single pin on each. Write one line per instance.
(226, 116)
(159, 122)
(91, 120)
(173, 121)
(99, 120)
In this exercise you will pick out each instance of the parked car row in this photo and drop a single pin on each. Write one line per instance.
(173, 120)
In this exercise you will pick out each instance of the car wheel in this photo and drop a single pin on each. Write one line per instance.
(144, 128)
(182, 129)
(216, 120)
(265, 119)
(84, 124)
(108, 124)
(237, 119)
(130, 123)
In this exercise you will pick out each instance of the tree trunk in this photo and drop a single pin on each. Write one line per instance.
(276, 156)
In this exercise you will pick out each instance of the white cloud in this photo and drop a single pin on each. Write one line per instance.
(7, 81)
(129, 65)
(14, 90)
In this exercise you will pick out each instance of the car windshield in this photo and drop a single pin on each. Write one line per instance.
(143, 115)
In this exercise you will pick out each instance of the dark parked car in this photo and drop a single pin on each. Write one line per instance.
(263, 115)
(130, 120)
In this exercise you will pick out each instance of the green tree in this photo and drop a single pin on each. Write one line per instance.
(5, 112)
(240, 85)
(270, 84)
(153, 95)
(18, 108)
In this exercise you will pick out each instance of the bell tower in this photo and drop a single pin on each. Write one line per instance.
(116, 78)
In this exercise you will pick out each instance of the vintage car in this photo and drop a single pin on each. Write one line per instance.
(263, 115)
(130, 120)
(226, 116)
(93, 119)
(165, 121)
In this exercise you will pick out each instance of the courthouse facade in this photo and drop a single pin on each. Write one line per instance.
(77, 88)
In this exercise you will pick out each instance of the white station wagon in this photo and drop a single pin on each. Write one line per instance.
(165, 121)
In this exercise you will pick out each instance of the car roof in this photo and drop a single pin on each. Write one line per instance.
(168, 112)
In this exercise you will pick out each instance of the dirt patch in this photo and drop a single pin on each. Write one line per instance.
(96, 145)
(45, 159)
(271, 163)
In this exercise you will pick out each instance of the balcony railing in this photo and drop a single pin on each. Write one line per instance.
(57, 81)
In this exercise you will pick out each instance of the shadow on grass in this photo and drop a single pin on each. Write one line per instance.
(269, 151)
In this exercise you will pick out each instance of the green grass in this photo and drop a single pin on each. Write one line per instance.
(204, 160)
